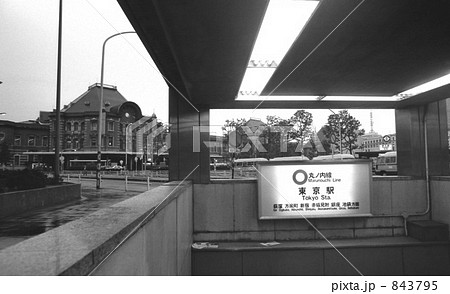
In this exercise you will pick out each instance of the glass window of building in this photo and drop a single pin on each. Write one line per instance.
(110, 141)
(17, 140)
(31, 140)
(110, 126)
(75, 126)
(93, 142)
(45, 141)
(68, 126)
(94, 125)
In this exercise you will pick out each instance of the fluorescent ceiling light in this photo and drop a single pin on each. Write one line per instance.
(444, 80)
(283, 22)
(359, 98)
(249, 97)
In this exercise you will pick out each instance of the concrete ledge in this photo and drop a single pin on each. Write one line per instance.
(426, 230)
(77, 247)
(375, 256)
(16, 202)
(322, 244)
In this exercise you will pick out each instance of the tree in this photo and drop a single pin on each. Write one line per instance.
(324, 140)
(301, 121)
(277, 136)
(343, 128)
(233, 128)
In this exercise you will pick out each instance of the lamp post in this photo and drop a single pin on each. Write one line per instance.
(340, 133)
(99, 126)
(58, 99)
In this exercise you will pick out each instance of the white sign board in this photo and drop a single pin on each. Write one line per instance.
(314, 189)
(386, 147)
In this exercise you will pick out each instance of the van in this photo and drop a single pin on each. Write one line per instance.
(386, 164)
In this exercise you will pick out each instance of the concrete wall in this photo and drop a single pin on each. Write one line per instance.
(157, 225)
(22, 201)
(402, 257)
(227, 210)
(440, 199)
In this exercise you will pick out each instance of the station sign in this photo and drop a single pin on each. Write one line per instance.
(385, 147)
(314, 189)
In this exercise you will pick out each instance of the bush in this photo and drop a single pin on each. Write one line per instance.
(22, 180)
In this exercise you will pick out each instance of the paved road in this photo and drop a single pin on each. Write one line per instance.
(18, 228)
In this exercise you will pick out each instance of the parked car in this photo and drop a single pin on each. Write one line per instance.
(114, 168)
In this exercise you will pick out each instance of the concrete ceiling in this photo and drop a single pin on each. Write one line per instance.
(384, 47)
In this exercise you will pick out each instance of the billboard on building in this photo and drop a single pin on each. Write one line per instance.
(314, 189)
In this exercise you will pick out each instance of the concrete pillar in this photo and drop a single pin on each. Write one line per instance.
(410, 130)
(438, 151)
(184, 119)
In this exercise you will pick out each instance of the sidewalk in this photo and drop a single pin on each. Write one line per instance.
(115, 176)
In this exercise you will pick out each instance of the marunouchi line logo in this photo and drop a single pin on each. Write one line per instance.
(295, 177)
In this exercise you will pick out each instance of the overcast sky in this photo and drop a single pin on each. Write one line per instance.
(28, 63)
(28, 56)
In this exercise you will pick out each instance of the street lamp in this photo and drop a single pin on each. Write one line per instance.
(99, 125)
(340, 133)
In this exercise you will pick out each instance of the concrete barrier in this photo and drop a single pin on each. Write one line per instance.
(227, 210)
(13, 203)
(157, 227)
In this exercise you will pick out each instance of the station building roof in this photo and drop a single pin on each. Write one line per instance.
(358, 48)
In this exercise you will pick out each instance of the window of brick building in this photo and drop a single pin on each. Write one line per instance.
(17, 140)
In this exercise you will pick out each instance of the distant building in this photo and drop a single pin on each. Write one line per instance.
(79, 120)
(22, 137)
(79, 130)
(375, 142)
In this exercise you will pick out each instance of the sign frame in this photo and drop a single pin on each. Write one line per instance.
(266, 199)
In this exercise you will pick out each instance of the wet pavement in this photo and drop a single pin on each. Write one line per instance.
(17, 228)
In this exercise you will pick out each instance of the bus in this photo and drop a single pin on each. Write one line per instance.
(290, 158)
(334, 157)
(386, 164)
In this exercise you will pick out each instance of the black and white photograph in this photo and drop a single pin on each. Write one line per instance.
(252, 145)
